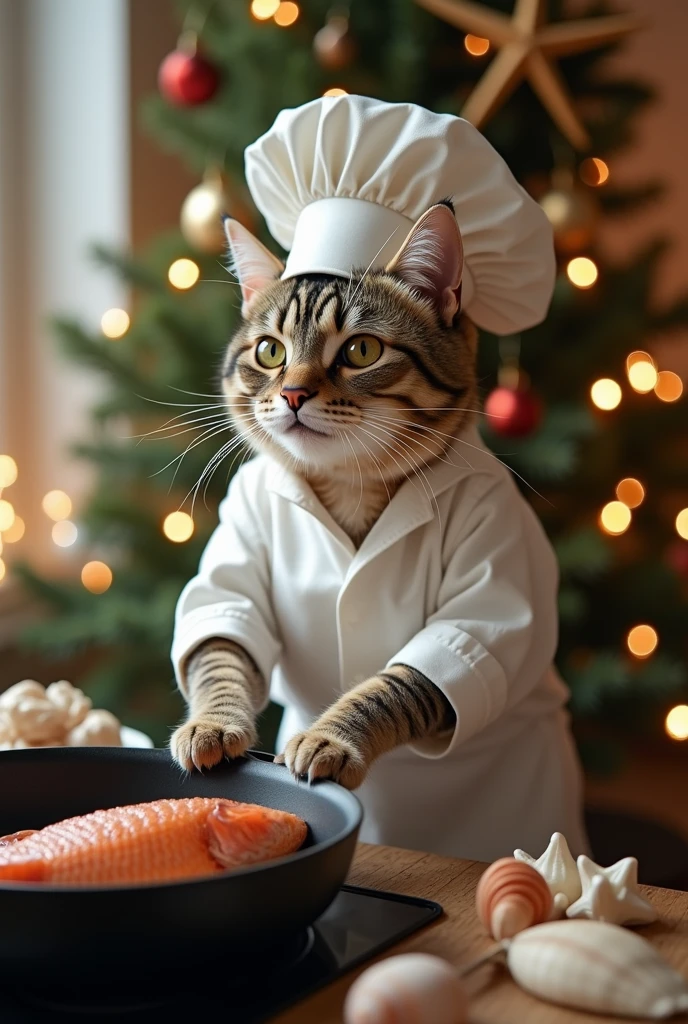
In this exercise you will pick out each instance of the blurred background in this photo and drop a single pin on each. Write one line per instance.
(122, 129)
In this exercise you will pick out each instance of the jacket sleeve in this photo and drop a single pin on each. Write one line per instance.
(230, 595)
(493, 635)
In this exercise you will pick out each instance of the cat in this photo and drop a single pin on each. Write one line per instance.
(358, 385)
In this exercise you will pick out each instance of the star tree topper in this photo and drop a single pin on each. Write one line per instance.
(527, 47)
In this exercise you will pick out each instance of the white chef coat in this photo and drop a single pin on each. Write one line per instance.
(462, 588)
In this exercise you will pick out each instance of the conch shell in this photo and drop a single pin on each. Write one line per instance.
(611, 894)
(558, 868)
(510, 897)
(599, 967)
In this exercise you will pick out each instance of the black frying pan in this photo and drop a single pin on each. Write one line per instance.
(138, 930)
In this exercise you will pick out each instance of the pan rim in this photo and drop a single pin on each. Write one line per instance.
(135, 753)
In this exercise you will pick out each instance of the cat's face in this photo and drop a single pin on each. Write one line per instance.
(370, 372)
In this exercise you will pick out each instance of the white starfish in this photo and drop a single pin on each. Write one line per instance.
(611, 894)
(558, 868)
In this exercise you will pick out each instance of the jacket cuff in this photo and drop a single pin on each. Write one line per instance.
(471, 679)
(226, 623)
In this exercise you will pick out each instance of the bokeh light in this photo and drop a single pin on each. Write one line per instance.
(57, 505)
(264, 9)
(630, 491)
(96, 577)
(476, 45)
(615, 517)
(638, 357)
(183, 274)
(582, 272)
(7, 515)
(2, 570)
(114, 323)
(669, 386)
(642, 641)
(681, 523)
(64, 533)
(642, 376)
(8, 471)
(335, 91)
(605, 393)
(178, 527)
(15, 532)
(286, 14)
(676, 722)
(594, 171)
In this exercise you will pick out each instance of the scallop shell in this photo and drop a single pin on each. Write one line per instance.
(599, 967)
(512, 896)
(558, 868)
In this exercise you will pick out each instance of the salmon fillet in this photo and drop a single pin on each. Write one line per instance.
(151, 842)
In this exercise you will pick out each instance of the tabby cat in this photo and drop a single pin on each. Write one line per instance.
(358, 385)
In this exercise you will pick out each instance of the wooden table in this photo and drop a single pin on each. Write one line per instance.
(458, 937)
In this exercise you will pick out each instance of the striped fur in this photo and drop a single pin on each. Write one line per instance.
(370, 429)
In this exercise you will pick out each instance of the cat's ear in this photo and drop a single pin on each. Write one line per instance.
(431, 260)
(253, 264)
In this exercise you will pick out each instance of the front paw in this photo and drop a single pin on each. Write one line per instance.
(203, 742)
(321, 754)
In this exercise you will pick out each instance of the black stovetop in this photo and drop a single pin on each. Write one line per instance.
(359, 924)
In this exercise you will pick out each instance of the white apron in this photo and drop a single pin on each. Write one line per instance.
(463, 590)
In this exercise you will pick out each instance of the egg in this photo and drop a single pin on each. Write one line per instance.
(414, 988)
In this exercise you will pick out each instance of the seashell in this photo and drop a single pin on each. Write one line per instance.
(512, 896)
(599, 967)
(611, 894)
(558, 868)
(72, 702)
(413, 988)
(98, 729)
(27, 688)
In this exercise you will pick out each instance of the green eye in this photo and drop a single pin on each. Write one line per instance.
(361, 351)
(271, 353)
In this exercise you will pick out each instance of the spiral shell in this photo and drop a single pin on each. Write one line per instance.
(599, 967)
(512, 896)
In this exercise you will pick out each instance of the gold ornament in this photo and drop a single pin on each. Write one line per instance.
(572, 212)
(334, 45)
(527, 49)
(201, 214)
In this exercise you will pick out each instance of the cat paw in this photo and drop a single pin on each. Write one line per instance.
(320, 754)
(204, 742)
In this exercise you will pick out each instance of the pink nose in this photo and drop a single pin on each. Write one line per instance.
(295, 397)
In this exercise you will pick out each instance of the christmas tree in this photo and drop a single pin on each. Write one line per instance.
(591, 426)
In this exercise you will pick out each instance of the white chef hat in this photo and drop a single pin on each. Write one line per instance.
(341, 181)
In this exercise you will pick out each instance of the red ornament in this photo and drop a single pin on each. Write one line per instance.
(513, 412)
(187, 79)
(677, 558)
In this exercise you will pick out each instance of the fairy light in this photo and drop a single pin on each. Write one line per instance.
(96, 577)
(286, 14)
(178, 527)
(476, 45)
(8, 471)
(605, 393)
(681, 523)
(594, 171)
(615, 517)
(114, 323)
(630, 491)
(7, 515)
(676, 722)
(582, 272)
(264, 9)
(335, 91)
(642, 376)
(64, 533)
(183, 274)
(669, 386)
(57, 505)
(15, 532)
(642, 641)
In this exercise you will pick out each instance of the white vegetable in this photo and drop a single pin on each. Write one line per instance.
(98, 729)
(73, 703)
